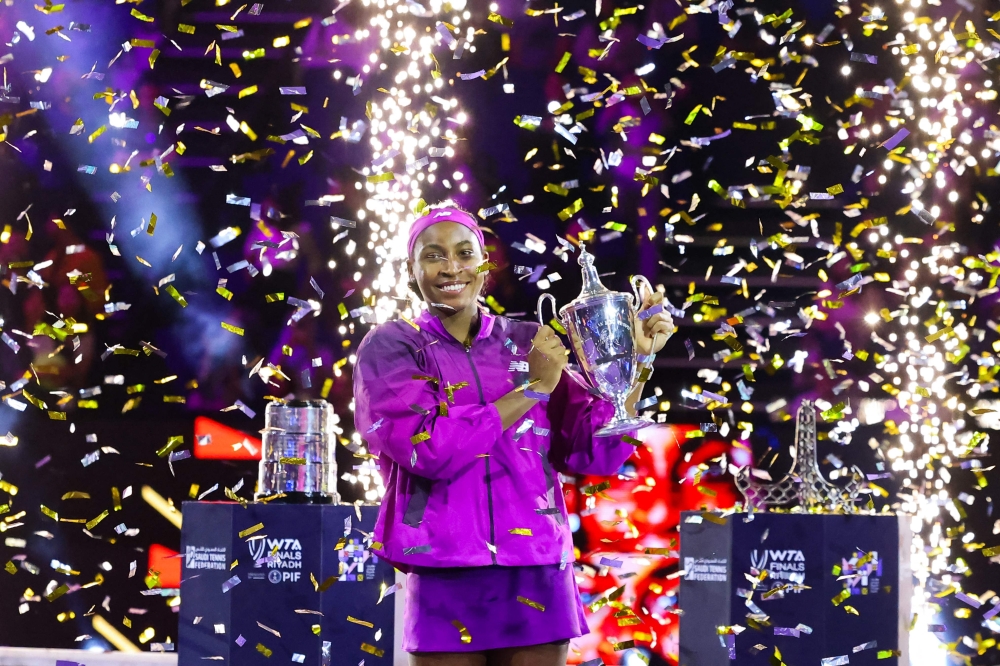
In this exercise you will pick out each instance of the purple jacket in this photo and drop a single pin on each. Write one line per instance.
(472, 494)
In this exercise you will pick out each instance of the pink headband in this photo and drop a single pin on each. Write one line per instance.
(443, 215)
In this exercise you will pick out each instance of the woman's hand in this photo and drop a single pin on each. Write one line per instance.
(546, 360)
(654, 329)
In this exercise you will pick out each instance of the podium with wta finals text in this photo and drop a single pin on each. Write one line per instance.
(836, 590)
(291, 578)
(283, 583)
(820, 585)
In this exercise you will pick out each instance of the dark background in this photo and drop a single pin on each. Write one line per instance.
(45, 464)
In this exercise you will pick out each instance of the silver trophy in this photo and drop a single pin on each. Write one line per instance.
(297, 459)
(804, 482)
(601, 328)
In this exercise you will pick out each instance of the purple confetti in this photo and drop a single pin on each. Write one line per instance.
(230, 584)
(851, 282)
(315, 285)
(240, 640)
(651, 42)
(864, 57)
(991, 612)
(786, 631)
(975, 603)
(246, 410)
(534, 395)
(649, 312)
(895, 139)
(611, 563)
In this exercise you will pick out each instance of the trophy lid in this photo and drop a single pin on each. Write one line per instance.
(592, 285)
(593, 289)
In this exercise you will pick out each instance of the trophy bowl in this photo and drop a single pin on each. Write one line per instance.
(601, 327)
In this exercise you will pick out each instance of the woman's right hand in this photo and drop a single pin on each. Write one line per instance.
(546, 360)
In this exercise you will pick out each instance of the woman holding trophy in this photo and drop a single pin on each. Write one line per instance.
(472, 416)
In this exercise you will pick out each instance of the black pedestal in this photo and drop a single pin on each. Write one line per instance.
(251, 599)
(806, 625)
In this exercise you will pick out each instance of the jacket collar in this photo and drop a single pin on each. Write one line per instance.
(426, 320)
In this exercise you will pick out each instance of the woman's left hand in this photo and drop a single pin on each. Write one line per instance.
(655, 329)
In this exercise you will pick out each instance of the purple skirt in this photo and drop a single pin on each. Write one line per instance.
(485, 601)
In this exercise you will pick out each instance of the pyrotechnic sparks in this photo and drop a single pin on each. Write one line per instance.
(416, 121)
(930, 356)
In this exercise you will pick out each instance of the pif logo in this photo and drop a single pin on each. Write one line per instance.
(276, 576)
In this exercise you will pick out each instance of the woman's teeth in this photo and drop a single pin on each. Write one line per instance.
(453, 288)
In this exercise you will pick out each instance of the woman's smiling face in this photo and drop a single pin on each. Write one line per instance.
(444, 262)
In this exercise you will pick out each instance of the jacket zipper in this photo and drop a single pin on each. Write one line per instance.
(489, 484)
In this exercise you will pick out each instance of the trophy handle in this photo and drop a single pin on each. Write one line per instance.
(555, 309)
(635, 281)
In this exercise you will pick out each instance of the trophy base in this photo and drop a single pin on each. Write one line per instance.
(622, 426)
(300, 497)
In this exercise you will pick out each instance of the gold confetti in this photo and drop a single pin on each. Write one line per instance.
(466, 636)
(253, 529)
(58, 592)
(176, 295)
(841, 597)
(533, 604)
(496, 18)
(172, 443)
(563, 62)
(92, 523)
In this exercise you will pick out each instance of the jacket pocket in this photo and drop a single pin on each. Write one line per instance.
(420, 492)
